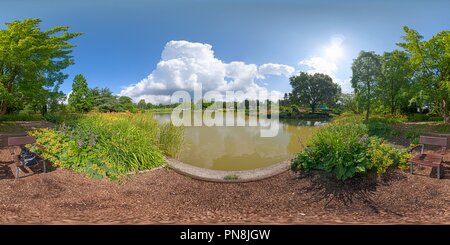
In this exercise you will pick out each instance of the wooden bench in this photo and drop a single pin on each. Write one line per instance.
(432, 160)
(14, 142)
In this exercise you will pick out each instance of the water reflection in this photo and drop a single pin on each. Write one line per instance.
(242, 148)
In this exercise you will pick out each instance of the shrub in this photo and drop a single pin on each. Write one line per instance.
(417, 117)
(59, 118)
(382, 129)
(67, 149)
(383, 155)
(413, 135)
(347, 118)
(22, 117)
(108, 145)
(345, 149)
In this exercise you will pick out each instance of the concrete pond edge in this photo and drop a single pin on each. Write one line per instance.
(227, 176)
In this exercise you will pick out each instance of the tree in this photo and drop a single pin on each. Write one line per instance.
(32, 61)
(431, 62)
(395, 77)
(81, 97)
(126, 103)
(349, 103)
(149, 105)
(286, 99)
(142, 104)
(314, 90)
(104, 100)
(365, 75)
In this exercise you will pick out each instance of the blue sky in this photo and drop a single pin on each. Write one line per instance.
(123, 41)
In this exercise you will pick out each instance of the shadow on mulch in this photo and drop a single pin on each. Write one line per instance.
(445, 171)
(6, 170)
(324, 187)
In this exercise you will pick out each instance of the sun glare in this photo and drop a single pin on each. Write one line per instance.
(334, 51)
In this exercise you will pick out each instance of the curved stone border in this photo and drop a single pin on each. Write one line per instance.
(227, 176)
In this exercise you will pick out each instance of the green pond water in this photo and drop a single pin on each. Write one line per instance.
(242, 148)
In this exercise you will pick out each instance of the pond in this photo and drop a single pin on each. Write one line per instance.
(242, 148)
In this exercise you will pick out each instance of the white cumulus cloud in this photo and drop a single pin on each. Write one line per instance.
(275, 69)
(186, 65)
(319, 65)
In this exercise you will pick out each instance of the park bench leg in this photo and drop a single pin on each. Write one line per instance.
(45, 168)
(411, 168)
(17, 172)
(439, 172)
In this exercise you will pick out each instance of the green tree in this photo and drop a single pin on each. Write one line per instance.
(81, 97)
(431, 62)
(142, 104)
(126, 104)
(366, 70)
(395, 79)
(104, 100)
(314, 90)
(149, 105)
(349, 103)
(32, 61)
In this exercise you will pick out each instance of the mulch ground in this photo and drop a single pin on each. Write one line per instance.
(163, 196)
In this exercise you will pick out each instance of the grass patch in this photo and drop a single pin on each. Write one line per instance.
(231, 177)
(160, 110)
(170, 139)
(413, 131)
(416, 117)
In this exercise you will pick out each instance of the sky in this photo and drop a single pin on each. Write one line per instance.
(149, 49)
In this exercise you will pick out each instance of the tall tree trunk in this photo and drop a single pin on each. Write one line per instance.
(313, 108)
(445, 111)
(3, 107)
(392, 106)
(368, 110)
(368, 102)
(392, 98)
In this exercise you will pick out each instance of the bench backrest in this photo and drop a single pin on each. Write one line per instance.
(434, 140)
(22, 140)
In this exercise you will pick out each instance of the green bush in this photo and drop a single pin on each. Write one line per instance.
(382, 129)
(59, 118)
(417, 117)
(345, 149)
(348, 118)
(380, 126)
(22, 117)
(107, 145)
(383, 155)
(413, 135)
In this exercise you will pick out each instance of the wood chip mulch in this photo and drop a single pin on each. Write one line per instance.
(163, 196)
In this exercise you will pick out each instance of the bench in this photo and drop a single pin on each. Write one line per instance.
(432, 160)
(14, 142)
